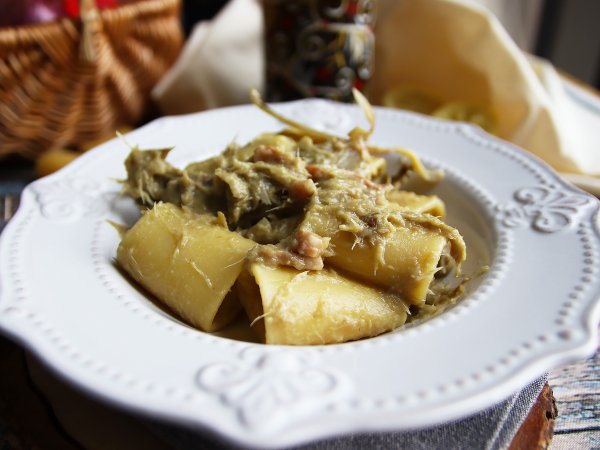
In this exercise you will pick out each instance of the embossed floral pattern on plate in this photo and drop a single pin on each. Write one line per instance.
(264, 383)
(546, 209)
(63, 297)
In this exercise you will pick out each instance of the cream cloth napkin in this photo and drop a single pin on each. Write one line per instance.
(455, 50)
(458, 51)
(221, 61)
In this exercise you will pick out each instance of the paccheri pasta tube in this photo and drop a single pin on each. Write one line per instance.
(315, 307)
(189, 262)
(308, 231)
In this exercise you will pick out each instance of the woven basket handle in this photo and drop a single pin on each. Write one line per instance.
(90, 22)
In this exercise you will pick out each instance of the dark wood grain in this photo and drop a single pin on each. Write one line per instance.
(26, 421)
(536, 431)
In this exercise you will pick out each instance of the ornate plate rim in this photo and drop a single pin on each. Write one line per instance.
(568, 213)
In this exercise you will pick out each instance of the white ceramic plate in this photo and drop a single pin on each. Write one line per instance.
(62, 296)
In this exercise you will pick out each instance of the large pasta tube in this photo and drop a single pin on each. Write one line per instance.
(187, 261)
(405, 262)
(292, 307)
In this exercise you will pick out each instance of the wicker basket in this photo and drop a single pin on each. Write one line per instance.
(68, 82)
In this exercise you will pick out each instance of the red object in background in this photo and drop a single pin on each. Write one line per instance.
(352, 9)
(22, 12)
(72, 6)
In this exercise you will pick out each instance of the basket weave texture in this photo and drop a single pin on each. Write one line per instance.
(68, 82)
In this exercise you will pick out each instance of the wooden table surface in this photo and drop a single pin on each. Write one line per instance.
(577, 391)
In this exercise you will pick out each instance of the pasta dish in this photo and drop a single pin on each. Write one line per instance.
(306, 232)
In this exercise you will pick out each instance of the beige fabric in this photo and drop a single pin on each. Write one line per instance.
(220, 63)
(455, 50)
(458, 51)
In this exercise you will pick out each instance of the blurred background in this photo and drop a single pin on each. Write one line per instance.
(566, 32)
(145, 75)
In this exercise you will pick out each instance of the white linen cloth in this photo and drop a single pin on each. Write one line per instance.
(455, 49)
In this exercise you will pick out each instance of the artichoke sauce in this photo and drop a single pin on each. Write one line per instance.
(295, 192)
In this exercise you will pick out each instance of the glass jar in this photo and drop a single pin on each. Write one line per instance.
(318, 48)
